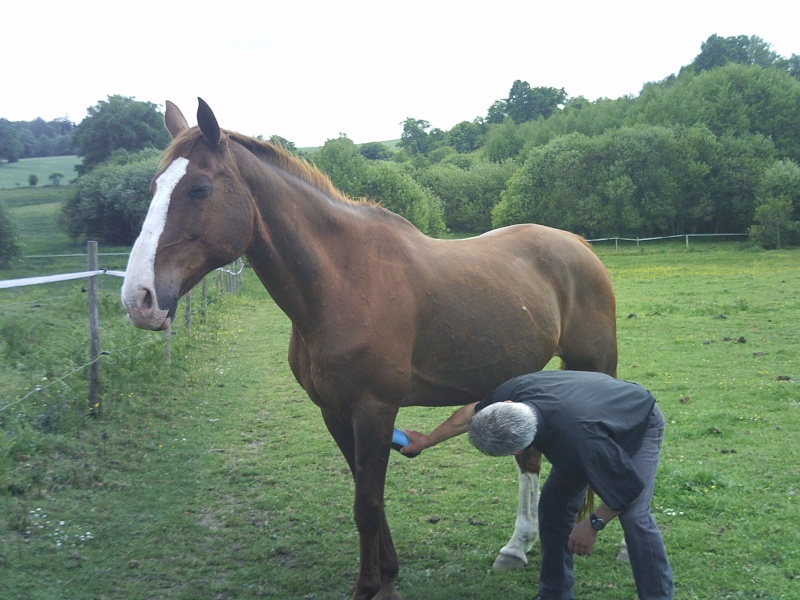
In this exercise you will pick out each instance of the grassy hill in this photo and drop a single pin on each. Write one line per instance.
(36, 212)
(14, 175)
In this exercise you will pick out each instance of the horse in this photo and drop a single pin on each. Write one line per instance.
(383, 316)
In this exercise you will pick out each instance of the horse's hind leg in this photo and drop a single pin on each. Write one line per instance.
(600, 356)
(526, 529)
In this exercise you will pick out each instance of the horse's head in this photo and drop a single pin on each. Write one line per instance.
(200, 218)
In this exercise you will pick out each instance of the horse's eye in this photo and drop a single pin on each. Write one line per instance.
(201, 191)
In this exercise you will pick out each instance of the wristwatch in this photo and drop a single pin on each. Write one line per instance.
(596, 522)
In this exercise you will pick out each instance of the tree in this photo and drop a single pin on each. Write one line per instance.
(630, 181)
(496, 113)
(40, 138)
(119, 123)
(414, 138)
(717, 51)
(33, 180)
(738, 168)
(55, 178)
(284, 143)
(792, 66)
(526, 104)
(375, 151)
(467, 136)
(344, 164)
(468, 194)
(504, 141)
(9, 239)
(777, 214)
(734, 100)
(11, 148)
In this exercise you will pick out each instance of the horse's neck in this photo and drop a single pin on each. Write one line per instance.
(294, 252)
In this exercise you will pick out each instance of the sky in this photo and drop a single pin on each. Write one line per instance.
(312, 70)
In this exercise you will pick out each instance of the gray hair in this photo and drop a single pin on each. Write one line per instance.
(503, 428)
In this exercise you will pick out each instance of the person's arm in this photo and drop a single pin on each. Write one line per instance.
(456, 424)
(583, 535)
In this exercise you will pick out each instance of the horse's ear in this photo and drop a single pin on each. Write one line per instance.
(174, 119)
(208, 123)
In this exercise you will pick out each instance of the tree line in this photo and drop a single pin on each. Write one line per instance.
(35, 139)
(714, 148)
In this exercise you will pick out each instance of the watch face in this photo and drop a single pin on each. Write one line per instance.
(597, 523)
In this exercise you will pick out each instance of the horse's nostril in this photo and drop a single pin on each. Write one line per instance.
(147, 300)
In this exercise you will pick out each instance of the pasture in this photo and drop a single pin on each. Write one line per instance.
(35, 210)
(215, 477)
(15, 175)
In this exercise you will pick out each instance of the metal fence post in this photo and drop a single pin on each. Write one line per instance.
(188, 313)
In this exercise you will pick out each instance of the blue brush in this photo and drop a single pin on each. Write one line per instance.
(400, 440)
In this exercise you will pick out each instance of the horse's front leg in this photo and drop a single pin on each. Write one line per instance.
(365, 444)
(526, 529)
(379, 564)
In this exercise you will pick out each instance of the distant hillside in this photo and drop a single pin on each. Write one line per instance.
(14, 175)
(390, 144)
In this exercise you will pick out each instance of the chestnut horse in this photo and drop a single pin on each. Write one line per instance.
(382, 316)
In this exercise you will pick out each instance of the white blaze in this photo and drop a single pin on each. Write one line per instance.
(140, 272)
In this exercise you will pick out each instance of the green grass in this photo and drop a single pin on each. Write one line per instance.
(35, 211)
(215, 477)
(16, 175)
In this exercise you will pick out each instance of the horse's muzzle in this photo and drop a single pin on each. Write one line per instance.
(141, 303)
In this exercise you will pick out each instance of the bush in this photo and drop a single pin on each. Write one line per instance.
(469, 194)
(111, 201)
(396, 190)
(637, 181)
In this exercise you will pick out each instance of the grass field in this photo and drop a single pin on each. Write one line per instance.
(15, 175)
(35, 211)
(214, 477)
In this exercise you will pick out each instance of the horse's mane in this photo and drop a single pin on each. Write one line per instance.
(272, 153)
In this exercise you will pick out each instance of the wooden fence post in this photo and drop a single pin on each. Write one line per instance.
(94, 332)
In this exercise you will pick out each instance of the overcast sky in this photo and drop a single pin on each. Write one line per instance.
(315, 69)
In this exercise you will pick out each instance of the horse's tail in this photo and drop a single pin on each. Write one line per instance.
(588, 505)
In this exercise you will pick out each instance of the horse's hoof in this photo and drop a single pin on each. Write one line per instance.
(504, 562)
(623, 555)
(386, 592)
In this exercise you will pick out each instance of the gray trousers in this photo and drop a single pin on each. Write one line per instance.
(558, 506)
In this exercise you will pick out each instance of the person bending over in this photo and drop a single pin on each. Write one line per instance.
(596, 431)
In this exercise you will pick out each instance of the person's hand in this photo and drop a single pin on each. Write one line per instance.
(418, 442)
(582, 538)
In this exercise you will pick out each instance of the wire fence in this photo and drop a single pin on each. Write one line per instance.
(227, 279)
(684, 236)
